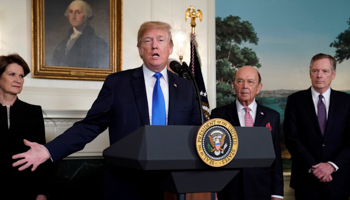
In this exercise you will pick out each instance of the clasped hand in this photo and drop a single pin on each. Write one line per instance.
(323, 172)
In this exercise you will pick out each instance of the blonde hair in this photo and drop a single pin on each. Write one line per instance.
(154, 25)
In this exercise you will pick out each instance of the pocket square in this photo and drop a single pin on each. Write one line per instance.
(269, 126)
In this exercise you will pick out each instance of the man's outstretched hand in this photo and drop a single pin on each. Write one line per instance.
(36, 155)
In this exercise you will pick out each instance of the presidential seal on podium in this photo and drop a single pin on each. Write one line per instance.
(216, 142)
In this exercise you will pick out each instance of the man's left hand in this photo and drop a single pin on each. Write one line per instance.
(323, 171)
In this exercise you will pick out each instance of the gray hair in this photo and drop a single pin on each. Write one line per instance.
(86, 9)
(320, 56)
(257, 70)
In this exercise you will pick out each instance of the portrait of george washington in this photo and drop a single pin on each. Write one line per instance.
(77, 33)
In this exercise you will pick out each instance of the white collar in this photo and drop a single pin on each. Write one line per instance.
(252, 106)
(76, 31)
(148, 74)
(326, 95)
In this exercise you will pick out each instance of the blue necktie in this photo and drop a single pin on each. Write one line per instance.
(321, 114)
(158, 104)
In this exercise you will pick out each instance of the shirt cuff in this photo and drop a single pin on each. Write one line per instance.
(334, 165)
(49, 154)
(277, 196)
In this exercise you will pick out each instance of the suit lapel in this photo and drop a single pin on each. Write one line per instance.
(173, 98)
(259, 116)
(334, 107)
(139, 89)
(233, 115)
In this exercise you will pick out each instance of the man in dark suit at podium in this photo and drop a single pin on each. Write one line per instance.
(317, 130)
(252, 183)
(127, 101)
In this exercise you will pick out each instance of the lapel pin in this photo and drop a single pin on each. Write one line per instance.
(268, 125)
(261, 113)
(175, 85)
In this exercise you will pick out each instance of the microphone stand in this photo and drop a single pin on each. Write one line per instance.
(188, 75)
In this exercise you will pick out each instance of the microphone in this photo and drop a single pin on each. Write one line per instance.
(175, 66)
(185, 72)
(182, 71)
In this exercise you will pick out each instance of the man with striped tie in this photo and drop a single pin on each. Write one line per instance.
(252, 183)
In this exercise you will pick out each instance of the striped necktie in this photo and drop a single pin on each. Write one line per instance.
(248, 120)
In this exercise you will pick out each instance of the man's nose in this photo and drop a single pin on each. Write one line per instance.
(245, 84)
(154, 45)
(319, 73)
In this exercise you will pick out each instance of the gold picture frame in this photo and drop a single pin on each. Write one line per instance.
(49, 26)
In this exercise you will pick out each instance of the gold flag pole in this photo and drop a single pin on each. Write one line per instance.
(191, 12)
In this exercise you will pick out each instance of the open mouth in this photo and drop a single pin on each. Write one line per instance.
(155, 55)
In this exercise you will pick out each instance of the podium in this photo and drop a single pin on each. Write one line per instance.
(171, 151)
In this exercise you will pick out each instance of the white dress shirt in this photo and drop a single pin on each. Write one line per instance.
(241, 111)
(150, 80)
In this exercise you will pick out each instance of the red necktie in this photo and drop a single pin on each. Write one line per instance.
(248, 120)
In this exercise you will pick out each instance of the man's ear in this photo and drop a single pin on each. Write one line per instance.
(259, 88)
(140, 52)
(171, 49)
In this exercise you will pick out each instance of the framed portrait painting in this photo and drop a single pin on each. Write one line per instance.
(76, 39)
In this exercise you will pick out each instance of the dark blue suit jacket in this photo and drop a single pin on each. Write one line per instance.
(122, 107)
(308, 147)
(255, 183)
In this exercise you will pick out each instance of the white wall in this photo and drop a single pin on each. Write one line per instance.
(51, 94)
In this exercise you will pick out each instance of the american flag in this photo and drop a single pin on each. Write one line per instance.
(195, 67)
